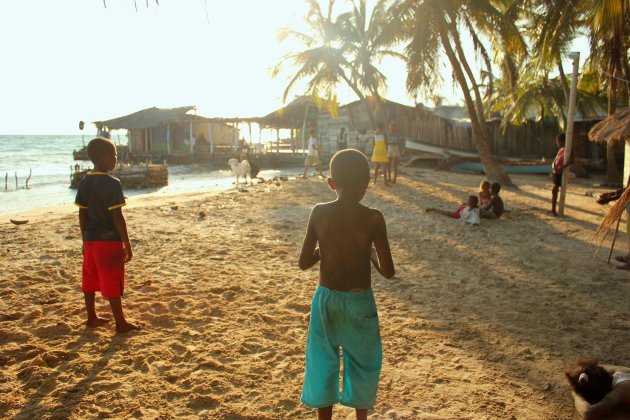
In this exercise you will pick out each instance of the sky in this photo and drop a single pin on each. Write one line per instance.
(71, 60)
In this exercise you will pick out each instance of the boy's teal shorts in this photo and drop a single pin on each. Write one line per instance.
(347, 320)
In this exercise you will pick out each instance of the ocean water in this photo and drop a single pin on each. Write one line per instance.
(49, 158)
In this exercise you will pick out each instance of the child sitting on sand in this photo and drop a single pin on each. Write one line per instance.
(343, 311)
(468, 212)
(484, 193)
(106, 246)
(495, 208)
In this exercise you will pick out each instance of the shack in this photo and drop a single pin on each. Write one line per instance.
(172, 134)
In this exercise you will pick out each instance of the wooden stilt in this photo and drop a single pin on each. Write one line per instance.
(612, 246)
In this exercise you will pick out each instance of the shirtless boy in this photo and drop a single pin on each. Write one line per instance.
(343, 311)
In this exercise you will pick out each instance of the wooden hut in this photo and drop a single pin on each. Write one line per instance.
(615, 129)
(174, 134)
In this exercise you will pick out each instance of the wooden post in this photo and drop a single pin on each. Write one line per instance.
(30, 172)
(211, 140)
(146, 141)
(575, 56)
(168, 139)
(6, 181)
(190, 136)
(278, 140)
(251, 141)
(304, 129)
(16, 182)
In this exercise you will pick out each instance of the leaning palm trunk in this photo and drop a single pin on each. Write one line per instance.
(491, 166)
(361, 96)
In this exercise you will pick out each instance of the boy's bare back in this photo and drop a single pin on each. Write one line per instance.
(345, 232)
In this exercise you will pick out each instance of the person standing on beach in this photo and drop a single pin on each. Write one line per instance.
(342, 140)
(312, 158)
(556, 171)
(106, 246)
(343, 310)
(379, 153)
(362, 140)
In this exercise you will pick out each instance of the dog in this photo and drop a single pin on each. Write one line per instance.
(600, 392)
(240, 169)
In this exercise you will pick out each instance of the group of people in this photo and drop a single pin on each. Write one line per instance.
(489, 205)
(386, 150)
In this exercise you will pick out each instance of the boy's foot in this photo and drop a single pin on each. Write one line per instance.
(96, 322)
(622, 258)
(625, 266)
(127, 327)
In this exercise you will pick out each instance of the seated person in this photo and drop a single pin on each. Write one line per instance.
(468, 212)
(495, 208)
(484, 193)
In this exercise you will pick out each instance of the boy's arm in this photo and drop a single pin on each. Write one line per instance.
(82, 219)
(383, 261)
(309, 255)
(121, 228)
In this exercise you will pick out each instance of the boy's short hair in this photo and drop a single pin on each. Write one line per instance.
(473, 199)
(561, 138)
(495, 187)
(312, 131)
(99, 147)
(349, 169)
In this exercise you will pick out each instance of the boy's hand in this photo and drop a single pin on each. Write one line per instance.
(128, 252)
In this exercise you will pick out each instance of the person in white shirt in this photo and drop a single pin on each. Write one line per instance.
(312, 158)
(362, 140)
(468, 212)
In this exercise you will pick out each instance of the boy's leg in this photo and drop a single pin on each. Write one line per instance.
(93, 320)
(395, 169)
(389, 169)
(122, 326)
(554, 199)
(376, 166)
(361, 413)
(324, 413)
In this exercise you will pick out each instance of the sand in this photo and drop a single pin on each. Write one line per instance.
(478, 323)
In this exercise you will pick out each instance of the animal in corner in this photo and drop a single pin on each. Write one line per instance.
(241, 169)
(599, 391)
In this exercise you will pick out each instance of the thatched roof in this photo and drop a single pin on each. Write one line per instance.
(292, 115)
(147, 118)
(614, 128)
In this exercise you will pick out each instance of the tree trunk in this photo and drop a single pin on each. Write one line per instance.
(362, 97)
(612, 172)
(563, 80)
(491, 166)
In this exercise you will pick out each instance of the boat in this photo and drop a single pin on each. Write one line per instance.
(515, 167)
(445, 152)
(18, 222)
(463, 161)
(146, 175)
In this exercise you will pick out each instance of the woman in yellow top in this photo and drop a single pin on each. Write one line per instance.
(379, 154)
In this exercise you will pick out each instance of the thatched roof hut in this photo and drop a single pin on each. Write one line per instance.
(615, 128)
(147, 118)
(292, 115)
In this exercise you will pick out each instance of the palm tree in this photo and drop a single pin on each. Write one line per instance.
(432, 27)
(339, 49)
(367, 40)
(608, 26)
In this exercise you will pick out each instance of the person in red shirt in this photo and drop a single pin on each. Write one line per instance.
(556, 171)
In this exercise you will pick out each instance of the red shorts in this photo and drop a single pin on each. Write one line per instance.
(103, 268)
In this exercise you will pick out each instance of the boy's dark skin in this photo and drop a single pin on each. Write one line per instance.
(345, 230)
(106, 163)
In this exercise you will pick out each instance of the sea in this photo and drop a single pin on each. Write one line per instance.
(49, 162)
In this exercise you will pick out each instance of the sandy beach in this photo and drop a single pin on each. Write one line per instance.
(478, 323)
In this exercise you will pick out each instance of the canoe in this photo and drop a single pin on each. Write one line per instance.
(438, 150)
(536, 168)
